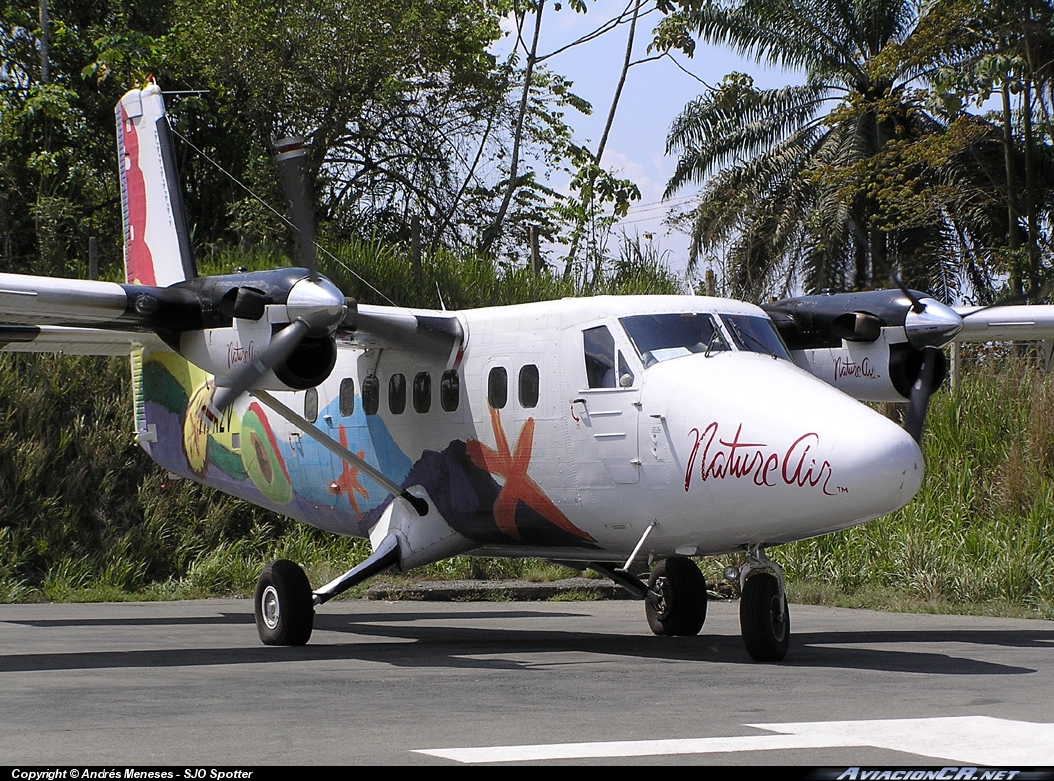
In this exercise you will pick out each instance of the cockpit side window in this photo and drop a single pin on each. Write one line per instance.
(599, 348)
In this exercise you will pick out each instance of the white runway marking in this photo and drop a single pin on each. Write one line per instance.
(977, 740)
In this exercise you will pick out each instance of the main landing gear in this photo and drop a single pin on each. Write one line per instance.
(676, 599)
(675, 602)
(284, 605)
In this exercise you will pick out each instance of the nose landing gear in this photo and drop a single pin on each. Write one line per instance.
(764, 616)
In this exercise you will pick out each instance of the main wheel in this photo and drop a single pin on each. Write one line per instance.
(766, 627)
(676, 599)
(285, 611)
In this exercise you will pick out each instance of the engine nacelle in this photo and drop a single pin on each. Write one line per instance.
(219, 351)
(879, 370)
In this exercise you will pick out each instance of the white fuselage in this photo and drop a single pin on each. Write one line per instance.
(722, 448)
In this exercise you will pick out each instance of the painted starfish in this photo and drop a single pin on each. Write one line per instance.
(348, 482)
(512, 465)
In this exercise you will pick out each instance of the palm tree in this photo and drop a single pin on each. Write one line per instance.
(812, 184)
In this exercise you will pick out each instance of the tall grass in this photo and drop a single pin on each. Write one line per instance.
(377, 273)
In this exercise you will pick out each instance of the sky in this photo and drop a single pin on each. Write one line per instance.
(654, 94)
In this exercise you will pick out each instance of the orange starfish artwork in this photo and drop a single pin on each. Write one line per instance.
(348, 482)
(512, 465)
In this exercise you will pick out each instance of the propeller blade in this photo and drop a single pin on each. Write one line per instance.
(921, 391)
(291, 159)
(917, 306)
(245, 377)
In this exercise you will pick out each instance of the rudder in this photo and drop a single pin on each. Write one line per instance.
(157, 248)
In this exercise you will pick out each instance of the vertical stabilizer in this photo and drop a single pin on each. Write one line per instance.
(156, 240)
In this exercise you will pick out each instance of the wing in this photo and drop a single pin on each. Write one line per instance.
(66, 311)
(73, 341)
(424, 331)
(82, 317)
(1005, 323)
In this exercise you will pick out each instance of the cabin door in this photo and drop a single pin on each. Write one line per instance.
(605, 405)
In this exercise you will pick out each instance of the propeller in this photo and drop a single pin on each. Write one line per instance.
(245, 378)
(315, 306)
(924, 386)
(291, 159)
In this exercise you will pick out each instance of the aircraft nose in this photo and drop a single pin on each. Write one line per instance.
(779, 455)
(880, 466)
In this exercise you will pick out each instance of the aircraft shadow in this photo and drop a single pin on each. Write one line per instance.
(58, 623)
(247, 618)
(396, 639)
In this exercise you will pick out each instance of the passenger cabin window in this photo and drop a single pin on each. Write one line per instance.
(498, 387)
(529, 386)
(371, 394)
(311, 405)
(347, 397)
(450, 390)
(422, 392)
(662, 337)
(397, 394)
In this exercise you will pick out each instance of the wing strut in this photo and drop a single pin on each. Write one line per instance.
(336, 449)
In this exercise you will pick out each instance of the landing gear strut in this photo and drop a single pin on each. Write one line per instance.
(676, 599)
(285, 614)
(763, 613)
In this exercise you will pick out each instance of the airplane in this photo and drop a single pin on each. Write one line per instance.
(611, 433)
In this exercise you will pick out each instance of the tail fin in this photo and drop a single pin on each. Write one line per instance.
(157, 247)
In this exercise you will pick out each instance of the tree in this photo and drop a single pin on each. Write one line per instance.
(1008, 48)
(57, 171)
(824, 181)
(585, 216)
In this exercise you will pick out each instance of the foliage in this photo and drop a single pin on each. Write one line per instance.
(57, 171)
(862, 167)
(408, 116)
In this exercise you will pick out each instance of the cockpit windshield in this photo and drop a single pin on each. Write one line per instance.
(660, 337)
(756, 335)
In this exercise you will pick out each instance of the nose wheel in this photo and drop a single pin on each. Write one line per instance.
(676, 599)
(285, 612)
(764, 615)
(764, 618)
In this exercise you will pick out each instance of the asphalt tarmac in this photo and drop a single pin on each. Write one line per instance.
(189, 684)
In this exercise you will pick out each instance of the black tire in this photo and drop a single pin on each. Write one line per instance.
(676, 599)
(285, 611)
(766, 628)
